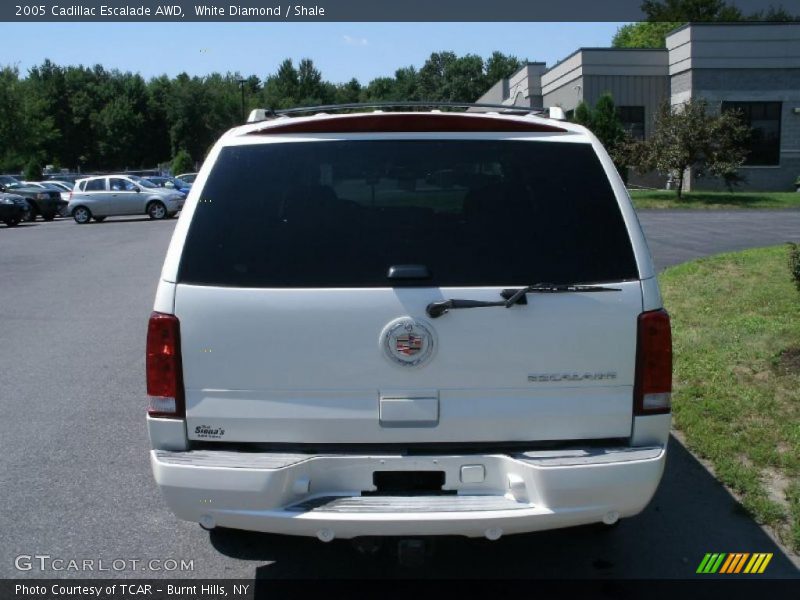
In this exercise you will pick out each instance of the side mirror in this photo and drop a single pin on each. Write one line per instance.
(137, 189)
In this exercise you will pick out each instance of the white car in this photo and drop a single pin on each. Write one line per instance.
(104, 196)
(407, 324)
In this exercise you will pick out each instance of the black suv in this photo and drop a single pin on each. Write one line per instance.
(13, 209)
(42, 201)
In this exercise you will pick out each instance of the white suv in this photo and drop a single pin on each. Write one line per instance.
(408, 323)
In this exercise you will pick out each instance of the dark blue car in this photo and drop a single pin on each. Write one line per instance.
(172, 183)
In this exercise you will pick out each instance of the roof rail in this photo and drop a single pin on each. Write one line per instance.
(262, 114)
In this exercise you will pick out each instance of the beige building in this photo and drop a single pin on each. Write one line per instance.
(751, 67)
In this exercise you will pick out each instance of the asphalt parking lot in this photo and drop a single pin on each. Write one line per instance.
(74, 470)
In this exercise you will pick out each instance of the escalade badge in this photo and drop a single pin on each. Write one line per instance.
(407, 342)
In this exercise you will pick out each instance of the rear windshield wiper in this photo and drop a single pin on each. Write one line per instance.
(512, 297)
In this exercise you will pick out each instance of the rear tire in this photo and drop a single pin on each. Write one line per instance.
(30, 215)
(82, 215)
(157, 211)
(49, 216)
(12, 222)
(99, 219)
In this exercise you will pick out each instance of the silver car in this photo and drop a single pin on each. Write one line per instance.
(116, 195)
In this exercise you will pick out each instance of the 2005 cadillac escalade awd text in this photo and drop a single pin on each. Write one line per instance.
(408, 323)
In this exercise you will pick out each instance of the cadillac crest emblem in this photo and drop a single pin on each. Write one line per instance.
(407, 342)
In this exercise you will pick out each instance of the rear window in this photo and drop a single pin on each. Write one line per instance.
(340, 213)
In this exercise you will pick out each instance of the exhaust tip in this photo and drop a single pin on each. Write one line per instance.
(611, 517)
(208, 522)
(325, 535)
(493, 533)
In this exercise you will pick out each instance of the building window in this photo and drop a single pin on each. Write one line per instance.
(632, 118)
(764, 119)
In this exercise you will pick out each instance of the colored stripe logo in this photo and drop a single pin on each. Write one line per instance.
(734, 563)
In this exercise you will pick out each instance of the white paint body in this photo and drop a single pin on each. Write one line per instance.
(305, 367)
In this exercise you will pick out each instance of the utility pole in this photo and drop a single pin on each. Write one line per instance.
(241, 85)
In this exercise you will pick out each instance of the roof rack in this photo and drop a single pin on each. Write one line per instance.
(263, 114)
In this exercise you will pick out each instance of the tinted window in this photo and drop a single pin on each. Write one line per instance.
(339, 214)
(632, 119)
(95, 185)
(764, 119)
(121, 185)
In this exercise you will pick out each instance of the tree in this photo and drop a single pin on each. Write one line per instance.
(464, 79)
(33, 170)
(643, 35)
(774, 15)
(604, 122)
(88, 117)
(380, 89)
(182, 163)
(406, 83)
(347, 93)
(499, 66)
(690, 10)
(687, 137)
(432, 76)
(583, 114)
(21, 130)
(309, 84)
(280, 90)
(665, 15)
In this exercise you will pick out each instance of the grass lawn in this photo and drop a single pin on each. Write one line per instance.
(736, 336)
(714, 200)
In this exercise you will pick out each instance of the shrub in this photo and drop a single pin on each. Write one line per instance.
(182, 163)
(33, 170)
(794, 263)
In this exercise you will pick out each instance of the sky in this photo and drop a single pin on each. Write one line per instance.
(340, 50)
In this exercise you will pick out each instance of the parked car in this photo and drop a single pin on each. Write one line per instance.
(68, 178)
(8, 180)
(62, 188)
(66, 191)
(13, 209)
(42, 201)
(62, 185)
(340, 352)
(171, 183)
(115, 195)
(187, 177)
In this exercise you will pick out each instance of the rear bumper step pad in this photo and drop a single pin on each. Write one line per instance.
(406, 504)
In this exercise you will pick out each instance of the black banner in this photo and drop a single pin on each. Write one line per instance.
(243, 589)
(345, 10)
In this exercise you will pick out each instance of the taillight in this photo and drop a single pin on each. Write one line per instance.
(652, 390)
(164, 371)
(70, 196)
